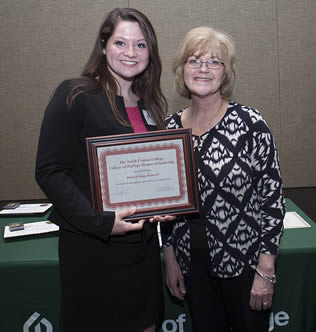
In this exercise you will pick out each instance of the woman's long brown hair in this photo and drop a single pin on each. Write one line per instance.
(96, 76)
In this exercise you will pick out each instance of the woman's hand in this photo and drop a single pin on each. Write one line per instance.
(121, 226)
(262, 290)
(261, 293)
(174, 276)
(162, 218)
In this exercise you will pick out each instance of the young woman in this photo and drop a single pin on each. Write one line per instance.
(110, 269)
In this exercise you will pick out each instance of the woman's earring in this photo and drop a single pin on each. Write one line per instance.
(104, 51)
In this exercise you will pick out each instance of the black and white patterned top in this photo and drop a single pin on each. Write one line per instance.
(240, 191)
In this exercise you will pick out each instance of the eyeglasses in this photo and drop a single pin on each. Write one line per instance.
(196, 63)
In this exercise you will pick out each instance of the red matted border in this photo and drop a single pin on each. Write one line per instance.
(105, 195)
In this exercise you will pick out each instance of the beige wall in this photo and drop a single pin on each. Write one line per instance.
(44, 42)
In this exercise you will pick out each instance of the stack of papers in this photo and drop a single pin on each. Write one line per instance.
(27, 210)
(32, 228)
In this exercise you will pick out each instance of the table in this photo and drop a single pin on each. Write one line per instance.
(29, 284)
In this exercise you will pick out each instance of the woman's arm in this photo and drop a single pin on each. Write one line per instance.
(59, 155)
(266, 168)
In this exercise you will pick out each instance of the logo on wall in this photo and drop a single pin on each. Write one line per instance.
(43, 322)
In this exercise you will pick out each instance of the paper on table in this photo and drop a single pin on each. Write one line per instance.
(27, 209)
(293, 220)
(31, 228)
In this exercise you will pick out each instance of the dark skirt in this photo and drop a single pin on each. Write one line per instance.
(109, 286)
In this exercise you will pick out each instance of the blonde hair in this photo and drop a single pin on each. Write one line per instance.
(202, 40)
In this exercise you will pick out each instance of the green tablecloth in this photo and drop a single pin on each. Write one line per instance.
(29, 283)
(295, 294)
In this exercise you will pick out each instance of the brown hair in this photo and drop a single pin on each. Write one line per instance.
(202, 40)
(96, 75)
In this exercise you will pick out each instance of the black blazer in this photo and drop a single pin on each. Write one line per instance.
(62, 165)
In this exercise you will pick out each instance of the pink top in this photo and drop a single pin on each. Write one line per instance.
(136, 119)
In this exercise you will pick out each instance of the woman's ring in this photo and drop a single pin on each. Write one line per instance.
(265, 303)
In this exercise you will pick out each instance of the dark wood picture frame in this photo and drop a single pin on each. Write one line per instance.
(144, 174)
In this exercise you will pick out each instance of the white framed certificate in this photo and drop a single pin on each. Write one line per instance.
(153, 171)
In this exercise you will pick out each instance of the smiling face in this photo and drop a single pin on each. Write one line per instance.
(203, 81)
(126, 52)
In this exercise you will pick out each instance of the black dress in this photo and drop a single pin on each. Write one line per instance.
(109, 283)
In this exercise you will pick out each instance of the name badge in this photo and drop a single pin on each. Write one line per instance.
(148, 118)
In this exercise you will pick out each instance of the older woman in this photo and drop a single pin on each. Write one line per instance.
(222, 262)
